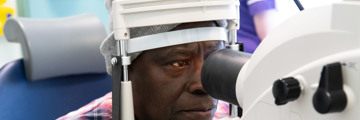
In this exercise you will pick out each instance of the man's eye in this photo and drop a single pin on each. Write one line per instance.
(179, 63)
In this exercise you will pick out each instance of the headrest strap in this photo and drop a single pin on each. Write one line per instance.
(176, 38)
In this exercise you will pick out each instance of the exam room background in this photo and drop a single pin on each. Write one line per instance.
(47, 9)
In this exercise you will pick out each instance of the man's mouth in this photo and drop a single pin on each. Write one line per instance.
(201, 113)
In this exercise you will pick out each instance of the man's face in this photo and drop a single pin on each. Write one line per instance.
(167, 86)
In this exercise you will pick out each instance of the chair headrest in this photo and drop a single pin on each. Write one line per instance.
(58, 47)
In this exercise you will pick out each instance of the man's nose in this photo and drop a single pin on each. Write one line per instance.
(194, 85)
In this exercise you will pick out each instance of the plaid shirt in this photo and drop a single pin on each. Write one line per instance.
(101, 109)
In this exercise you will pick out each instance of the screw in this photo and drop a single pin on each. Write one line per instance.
(113, 61)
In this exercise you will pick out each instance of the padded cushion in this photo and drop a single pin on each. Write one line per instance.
(58, 47)
(46, 99)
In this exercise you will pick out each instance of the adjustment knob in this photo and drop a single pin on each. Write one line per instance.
(330, 96)
(285, 90)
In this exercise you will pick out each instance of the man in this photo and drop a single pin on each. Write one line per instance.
(166, 83)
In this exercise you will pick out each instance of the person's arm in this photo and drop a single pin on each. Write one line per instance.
(265, 22)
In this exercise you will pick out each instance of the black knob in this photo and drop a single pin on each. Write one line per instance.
(330, 96)
(285, 90)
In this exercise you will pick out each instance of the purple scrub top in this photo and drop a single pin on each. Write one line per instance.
(247, 33)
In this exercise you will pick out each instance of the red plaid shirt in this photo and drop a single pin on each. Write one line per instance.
(101, 109)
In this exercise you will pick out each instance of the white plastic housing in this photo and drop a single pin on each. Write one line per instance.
(299, 48)
(138, 13)
(127, 101)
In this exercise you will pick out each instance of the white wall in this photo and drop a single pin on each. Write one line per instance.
(8, 51)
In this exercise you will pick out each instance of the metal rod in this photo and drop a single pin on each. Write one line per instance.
(117, 47)
(126, 79)
(123, 54)
(232, 36)
(234, 111)
(122, 47)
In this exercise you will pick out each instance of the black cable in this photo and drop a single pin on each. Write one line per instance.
(299, 5)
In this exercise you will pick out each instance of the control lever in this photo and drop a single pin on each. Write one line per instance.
(330, 96)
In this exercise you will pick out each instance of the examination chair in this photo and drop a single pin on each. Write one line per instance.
(62, 68)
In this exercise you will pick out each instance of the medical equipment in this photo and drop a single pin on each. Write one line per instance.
(306, 69)
(139, 13)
